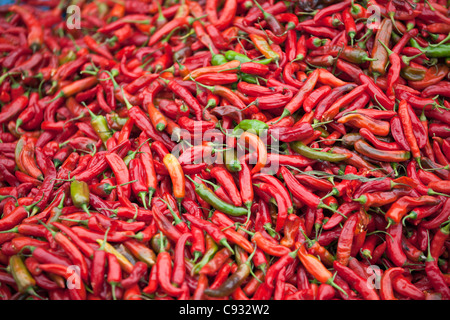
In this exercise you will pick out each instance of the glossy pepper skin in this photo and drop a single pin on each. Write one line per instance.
(212, 150)
(207, 195)
(377, 67)
(79, 193)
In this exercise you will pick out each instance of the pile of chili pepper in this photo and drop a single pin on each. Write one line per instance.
(225, 150)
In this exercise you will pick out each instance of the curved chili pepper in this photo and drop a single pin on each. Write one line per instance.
(378, 144)
(386, 291)
(435, 276)
(176, 175)
(402, 285)
(377, 127)
(382, 155)
(122, 175)
(394, 248)
(402, 206)
(346, 239)
(114, 274)
(35, 38)
(72, 251)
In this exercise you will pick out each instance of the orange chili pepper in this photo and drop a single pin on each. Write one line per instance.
(263, 46)
(176, 175)
(231, 66)
(377, 127)
(254, 141)
(156, 117)
(315, 267)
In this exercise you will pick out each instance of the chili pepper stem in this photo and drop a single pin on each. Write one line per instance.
(151, 191)
(324, 206)
(249, 212)
(334, 285)
(33, 205)
(9, 196)
(142, 196)
(441, 42)
(225, 243)
(197, 255)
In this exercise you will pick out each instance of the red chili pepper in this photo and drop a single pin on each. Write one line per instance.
(78, 292)
(349, 23)
(122, 175)
(114, 274)
(164, 274)
(225, 179)
(346, 239)
(298, 99)
(355, 281)
(386, 291)
(83, 246)
(35, 38)
(403, 285)
(394, 248)
(436, 278)
(408, 130)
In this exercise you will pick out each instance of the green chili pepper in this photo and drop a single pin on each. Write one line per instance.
(218, 59)
(100, 126)
(233, 55)
(310, 153)
(79, 192)
(24, 281)
(207, 195)
(249, 78)
(70, 56)
(324, 132)
(413, 74)
(209, 254)
(231, 161)
(254, 125)
(441, 51)
(263, 61)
